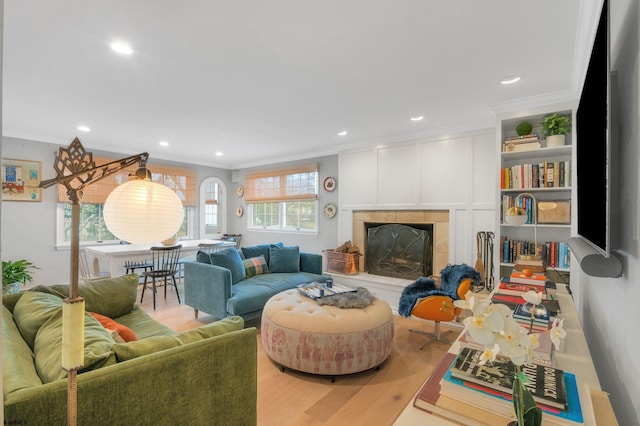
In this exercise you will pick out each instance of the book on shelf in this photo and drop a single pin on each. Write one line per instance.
(501, 403)
(546, 384)
(521, 147)
(549, 174)
(531, 137)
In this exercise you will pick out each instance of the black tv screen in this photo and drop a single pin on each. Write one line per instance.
(593, 150)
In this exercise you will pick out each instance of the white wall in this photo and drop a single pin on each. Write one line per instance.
(609, 307)
(454, 173)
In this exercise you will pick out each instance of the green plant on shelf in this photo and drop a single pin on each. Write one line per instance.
(556, 124)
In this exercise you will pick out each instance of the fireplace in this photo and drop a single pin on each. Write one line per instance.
(399, 250)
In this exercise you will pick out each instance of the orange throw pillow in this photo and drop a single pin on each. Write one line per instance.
(125, 332)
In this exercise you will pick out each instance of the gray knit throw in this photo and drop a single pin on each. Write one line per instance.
(361, 298)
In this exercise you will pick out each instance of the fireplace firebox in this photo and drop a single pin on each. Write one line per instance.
(399, 250)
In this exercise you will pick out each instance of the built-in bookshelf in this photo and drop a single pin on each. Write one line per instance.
(529, 165)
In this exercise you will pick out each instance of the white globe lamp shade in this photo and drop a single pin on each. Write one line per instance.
(516, 216)
(143, 212)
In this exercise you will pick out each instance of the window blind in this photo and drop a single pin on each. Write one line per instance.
(181, 179)
(286, 184)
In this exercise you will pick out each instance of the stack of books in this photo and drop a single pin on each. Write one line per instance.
(521, 143)
(473, 394)
(543, 354)
(541, 318)
(510, 290)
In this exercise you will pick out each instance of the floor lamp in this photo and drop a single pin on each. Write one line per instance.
(142, 212)
(517, 216)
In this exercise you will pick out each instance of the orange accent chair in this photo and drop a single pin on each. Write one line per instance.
(439, 308)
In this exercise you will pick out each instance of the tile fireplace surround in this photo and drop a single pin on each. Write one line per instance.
(387, 288)
(439, 219)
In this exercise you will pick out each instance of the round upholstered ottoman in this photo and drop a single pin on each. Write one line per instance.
(302, 335)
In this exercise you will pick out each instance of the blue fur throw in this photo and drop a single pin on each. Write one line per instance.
(450, 277)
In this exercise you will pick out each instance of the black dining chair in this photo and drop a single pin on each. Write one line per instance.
(164, 267)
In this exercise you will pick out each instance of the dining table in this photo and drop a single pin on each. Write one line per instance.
(117, 254)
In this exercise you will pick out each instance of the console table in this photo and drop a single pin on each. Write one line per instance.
(116, 254)
(575, 358)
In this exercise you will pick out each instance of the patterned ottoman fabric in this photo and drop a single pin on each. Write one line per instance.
(300, 334)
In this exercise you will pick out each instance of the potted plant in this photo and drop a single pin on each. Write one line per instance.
(16, 273)
(554, 128)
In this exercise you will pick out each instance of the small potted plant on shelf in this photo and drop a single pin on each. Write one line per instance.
(16, 273)
(554, 128)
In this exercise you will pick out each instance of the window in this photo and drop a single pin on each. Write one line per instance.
(92, 227)
(283, 199)
(212, 207)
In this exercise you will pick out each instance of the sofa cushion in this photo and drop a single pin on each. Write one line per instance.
(18, 368)
(32, 310)
(111, 297)
(230, 259)
(141, 323)
(203, 257)
(48, 347)
(127, 351)
(284, 258)
(123, 331)
(261, 249)
(255, 266)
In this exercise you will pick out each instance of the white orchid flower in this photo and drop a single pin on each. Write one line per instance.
(517, 354)
(489, 354)
(484, 326)
(533, 297)
(557, 332)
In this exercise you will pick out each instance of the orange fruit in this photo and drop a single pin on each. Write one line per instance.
(527, 272)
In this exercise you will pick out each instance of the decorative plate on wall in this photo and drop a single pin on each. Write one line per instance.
(239, 211)
(330, 210)
(329, 184)
(240, 191)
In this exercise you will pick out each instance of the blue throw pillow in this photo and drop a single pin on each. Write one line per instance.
(259, 250)
(203, 257)
(284, 258)
(230, 259)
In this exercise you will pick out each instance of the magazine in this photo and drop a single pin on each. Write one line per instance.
(317, 290)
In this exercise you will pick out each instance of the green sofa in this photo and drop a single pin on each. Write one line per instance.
(203, 376)
(239, 282)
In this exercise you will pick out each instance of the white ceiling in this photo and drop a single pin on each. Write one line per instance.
(275, 80)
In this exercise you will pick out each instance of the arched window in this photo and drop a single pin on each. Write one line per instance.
(213, 200)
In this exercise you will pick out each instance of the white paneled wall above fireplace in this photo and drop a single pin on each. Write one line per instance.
(456, 173)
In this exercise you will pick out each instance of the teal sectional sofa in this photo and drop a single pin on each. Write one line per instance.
(203, 376)
(240, 281)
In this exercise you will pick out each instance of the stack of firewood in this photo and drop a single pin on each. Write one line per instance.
(347, 247)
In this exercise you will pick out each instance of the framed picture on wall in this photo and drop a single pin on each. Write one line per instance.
(21, 180)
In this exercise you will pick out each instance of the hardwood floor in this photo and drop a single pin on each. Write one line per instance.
(374, 397)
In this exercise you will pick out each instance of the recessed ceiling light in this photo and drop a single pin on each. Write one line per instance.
(418, 118)
(342, 133)
(120, 47)
(163, 143)
(84, 128)
(510, 79)
(219, 154)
